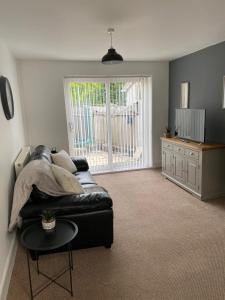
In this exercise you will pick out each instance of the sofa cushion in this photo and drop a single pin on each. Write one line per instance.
(69, 204)
(66, 180)
(84, 177)
(94, 188)
(37, 195)
(63, 160)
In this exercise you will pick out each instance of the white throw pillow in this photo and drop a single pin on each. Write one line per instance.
(62, 159)
(67, 180)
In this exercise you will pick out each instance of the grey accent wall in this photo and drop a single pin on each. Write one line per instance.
(204, 70)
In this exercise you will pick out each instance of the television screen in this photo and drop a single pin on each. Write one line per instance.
(190, 124)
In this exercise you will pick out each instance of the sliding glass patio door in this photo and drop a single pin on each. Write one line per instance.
(107, 121)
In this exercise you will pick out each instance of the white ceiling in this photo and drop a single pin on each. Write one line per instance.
(144, 29)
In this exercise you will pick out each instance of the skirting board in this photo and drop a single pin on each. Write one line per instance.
(157, 164)
(7, 272)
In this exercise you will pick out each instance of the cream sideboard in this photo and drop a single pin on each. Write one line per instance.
(198, 168)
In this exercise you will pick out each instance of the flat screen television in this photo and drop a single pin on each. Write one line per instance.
(190, 124)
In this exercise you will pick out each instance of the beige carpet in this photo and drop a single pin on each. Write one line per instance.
(168, 245)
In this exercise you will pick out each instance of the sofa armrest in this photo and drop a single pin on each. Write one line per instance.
(81, 163)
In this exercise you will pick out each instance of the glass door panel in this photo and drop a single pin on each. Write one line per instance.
(126, 101)
(88, 123)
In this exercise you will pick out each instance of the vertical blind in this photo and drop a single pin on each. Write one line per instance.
(107, 122)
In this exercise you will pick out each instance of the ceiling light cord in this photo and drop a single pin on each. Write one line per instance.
(111, 39)
(110, 31)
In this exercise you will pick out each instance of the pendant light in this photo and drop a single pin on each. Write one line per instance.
(112, 57)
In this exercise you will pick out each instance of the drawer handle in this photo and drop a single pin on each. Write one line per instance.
(191, 153)
(179, 149)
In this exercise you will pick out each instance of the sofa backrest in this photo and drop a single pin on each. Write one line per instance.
(41, 152)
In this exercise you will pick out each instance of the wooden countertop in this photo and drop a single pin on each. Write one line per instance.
(193, 145)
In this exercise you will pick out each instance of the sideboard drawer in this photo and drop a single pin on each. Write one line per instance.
(192, 153)
(168, 146)
(179, 149)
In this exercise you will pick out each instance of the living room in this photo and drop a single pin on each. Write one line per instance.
(142, 236)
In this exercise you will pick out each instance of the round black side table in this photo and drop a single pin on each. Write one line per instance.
(35, 238)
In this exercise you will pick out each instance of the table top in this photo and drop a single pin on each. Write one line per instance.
(34, 237)
(194, 145)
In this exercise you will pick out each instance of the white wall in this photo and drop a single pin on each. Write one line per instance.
(12, 139)
(43, 93)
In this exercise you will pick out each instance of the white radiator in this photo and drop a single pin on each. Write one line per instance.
(22, 159)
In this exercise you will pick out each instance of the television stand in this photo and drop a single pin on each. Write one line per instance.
(198, 168)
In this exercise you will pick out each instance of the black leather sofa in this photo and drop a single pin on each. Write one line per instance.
(91, 211)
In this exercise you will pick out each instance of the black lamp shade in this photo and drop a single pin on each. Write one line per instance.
(112, 57)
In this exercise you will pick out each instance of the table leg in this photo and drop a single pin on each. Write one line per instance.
(71, 256)
(37, 262)
(28, 265)
(70, 268)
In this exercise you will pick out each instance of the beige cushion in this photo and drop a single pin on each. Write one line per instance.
(62, 159)
(66, 180)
